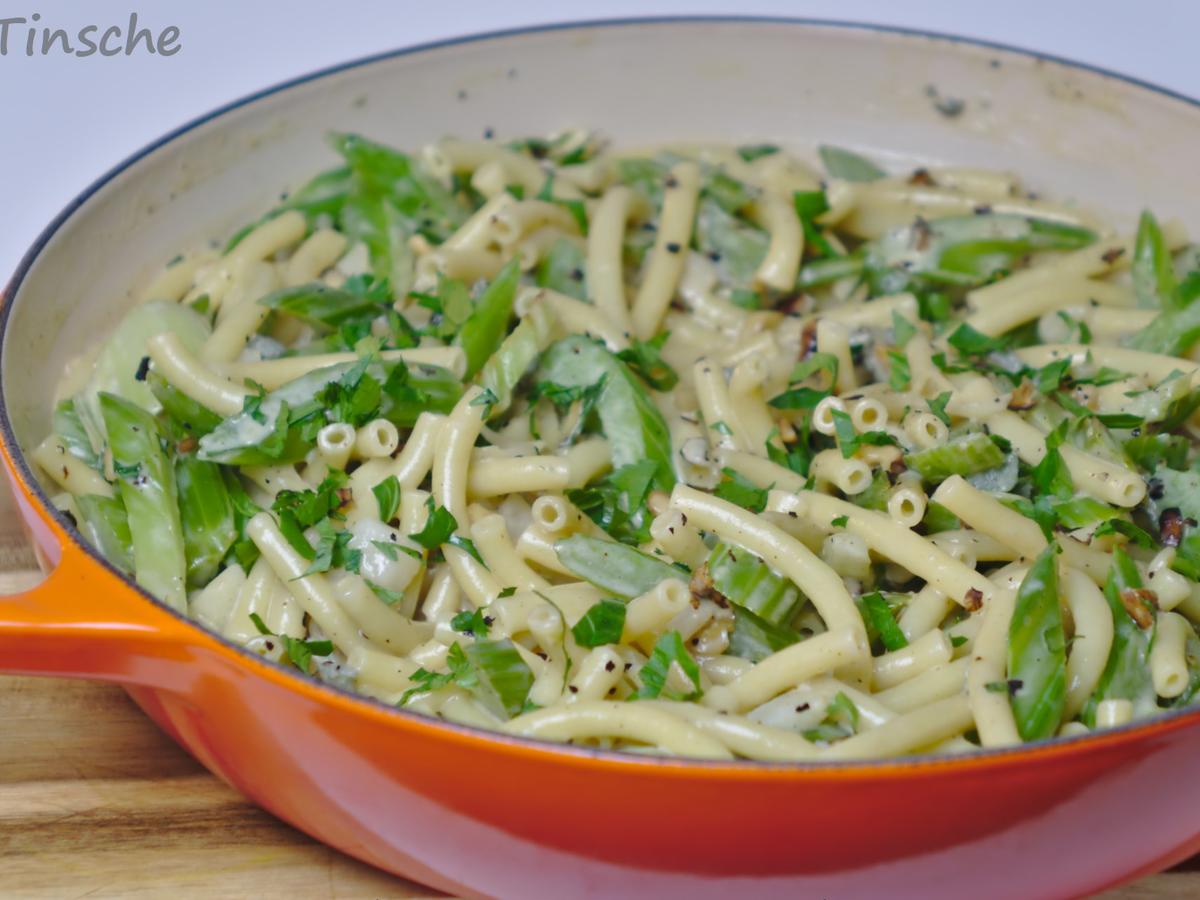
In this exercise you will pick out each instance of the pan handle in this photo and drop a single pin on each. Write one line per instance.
(84, 621)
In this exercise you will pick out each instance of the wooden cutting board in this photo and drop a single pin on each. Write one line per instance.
(95, 801)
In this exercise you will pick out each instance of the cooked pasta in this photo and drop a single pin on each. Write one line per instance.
(683, 452)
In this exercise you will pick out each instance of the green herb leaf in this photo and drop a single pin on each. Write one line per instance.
(474, 623)
(298, 651)
(387, 496)
(627, 414)
(601, 624)
(937, 406)
(391, 598)
(738, 489)
(487, 398)
(332, 550)
(459, 672)
(645, 359)
(617, 502)
(849, 441)
(751, 152)
(798, 398)
(842, 709)
(880, 618)
(668, 649)
(439, 527)
(900, 377)
(902, 329)
(467, 546)
(1050, 376)
(814, 363)
(1124, 527)
(969, 342)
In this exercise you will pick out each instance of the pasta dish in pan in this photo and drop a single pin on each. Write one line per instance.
(695, 450)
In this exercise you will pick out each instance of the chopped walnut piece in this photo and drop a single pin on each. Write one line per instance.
(1024, 397)
(1141, 604)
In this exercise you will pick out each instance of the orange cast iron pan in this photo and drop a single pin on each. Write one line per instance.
(477, 813)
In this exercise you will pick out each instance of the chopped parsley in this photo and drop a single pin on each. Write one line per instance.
(474, 623)
(601, 624)
(668, 649)
(298, 651)
(739, 490)
(387, 496)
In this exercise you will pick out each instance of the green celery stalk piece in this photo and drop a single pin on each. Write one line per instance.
(880, 620)
(738, 247)
(617, 568)
(635, 428)
(319, 305)
(106, 527)
(417, 198)
(146, 482)
(485, 328)
(876, 495)
(754, 638)
(438, 390)
(825, 271)
(965, 250)
(206, 513)
(120, 360)
(1126, 675)
(69, 428)
(747, 581)
(564, 269)
(1171, 332)
(1082, 510)
(645, 176)
(1037, 651)
(1152, 268)
(503, 678)
(372, 219)
(1177, 327)
(965, 455)
(191, 416)
(516, 356)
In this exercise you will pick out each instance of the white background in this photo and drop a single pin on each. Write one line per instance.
(66, 120)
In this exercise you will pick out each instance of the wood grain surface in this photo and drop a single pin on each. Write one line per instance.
(96, 802)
